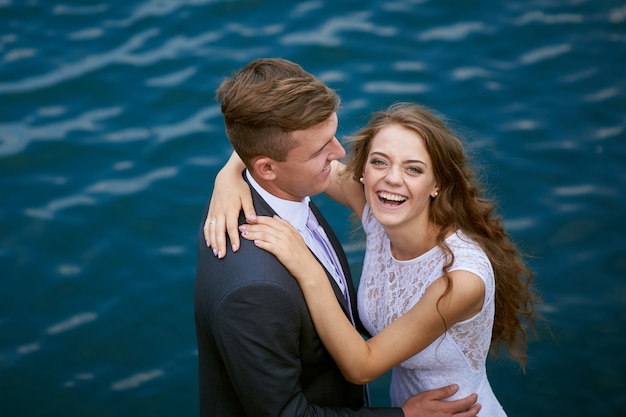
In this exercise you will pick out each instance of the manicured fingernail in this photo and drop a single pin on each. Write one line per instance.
(214, 251)
(219, 254)
(234, 247)
(208, 244)
(253, 217)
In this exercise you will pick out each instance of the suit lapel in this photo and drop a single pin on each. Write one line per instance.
(262, 208)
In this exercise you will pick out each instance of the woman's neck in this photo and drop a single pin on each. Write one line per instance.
(411, 242)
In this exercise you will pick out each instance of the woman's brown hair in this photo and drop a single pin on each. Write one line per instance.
(461, 205)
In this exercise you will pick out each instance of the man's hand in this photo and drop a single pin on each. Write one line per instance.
(432, 404)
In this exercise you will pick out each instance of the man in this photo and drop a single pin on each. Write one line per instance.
(259, 353)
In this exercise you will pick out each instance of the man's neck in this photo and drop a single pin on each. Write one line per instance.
(293, 211)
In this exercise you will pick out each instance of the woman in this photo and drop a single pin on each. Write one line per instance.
(441, 278)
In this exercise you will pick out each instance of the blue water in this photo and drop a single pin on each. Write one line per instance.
(110, 138)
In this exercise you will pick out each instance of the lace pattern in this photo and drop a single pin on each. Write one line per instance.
(389, 288)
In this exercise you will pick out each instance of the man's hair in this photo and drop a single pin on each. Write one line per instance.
(266, 101)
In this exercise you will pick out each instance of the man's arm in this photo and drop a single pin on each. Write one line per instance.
(257, 330)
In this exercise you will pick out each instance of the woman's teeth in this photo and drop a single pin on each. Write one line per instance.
(391, 198)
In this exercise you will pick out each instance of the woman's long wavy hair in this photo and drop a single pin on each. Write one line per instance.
(461, 205)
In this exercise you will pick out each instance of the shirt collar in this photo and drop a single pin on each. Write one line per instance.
(296, 212)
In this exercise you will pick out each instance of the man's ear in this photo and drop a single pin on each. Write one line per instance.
(263, 167)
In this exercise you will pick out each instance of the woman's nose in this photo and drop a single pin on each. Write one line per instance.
(394, 175)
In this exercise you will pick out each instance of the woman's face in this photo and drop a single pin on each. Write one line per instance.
(398, 177)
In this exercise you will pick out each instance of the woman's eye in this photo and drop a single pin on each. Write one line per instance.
(377, 162)
(414, 170)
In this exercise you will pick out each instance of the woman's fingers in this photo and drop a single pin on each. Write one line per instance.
(222, 221)
(276, 236)
(274, 231)
(215, 235)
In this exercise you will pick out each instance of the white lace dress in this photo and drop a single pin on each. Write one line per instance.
(389, 288)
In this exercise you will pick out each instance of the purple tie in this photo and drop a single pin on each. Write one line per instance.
(317, 232)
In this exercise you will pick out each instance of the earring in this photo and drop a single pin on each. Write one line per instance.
(361, 180)
(436, 193)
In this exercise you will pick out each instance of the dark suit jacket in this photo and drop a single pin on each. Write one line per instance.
(258, 351)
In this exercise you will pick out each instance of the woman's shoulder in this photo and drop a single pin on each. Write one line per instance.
(459, 240)
(468, 254)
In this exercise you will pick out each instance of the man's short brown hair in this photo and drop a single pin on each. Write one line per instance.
(267, 100)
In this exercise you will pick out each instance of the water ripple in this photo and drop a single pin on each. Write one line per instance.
(195, 123)
(64, 9)
(78, 69)
(409, 66)
(328, 33)
(132, 185)
(136, 380)
(114, 187)
(85, 376)
(520, 224)
(467, 73)
(128, 135)
(250, 32)
(604, 94)
(548, 19)
(618, 15)
(302, 9)
(58, 204)
(453, 32)
(394, 87)
(545, 53)
(72, 323)
(18, 54)
(582, 190)
(150, 9)
(15, 137)
(608, 132)
(579, 76)
(86, 34)
(173, 48)
(28, 348)
(173, 79)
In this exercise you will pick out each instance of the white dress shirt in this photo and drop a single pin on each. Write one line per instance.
(297, 212)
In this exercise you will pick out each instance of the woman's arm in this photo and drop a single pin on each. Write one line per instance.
(344, 190)
(362, 361)
(230, 195)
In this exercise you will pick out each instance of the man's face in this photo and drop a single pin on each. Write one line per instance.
(306, 171)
